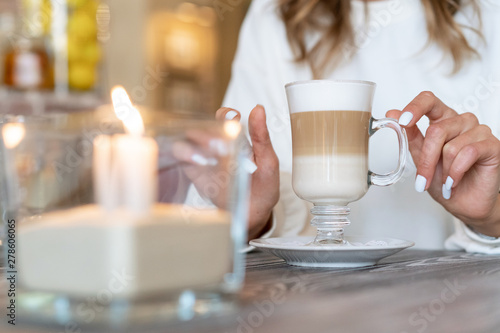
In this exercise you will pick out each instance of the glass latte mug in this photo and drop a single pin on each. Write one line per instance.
(331, 127)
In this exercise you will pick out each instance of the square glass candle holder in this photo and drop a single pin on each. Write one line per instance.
(104, 227)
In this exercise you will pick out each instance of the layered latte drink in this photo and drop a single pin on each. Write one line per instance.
(331, 126)
(330, 155)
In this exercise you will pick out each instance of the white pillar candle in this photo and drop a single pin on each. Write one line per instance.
(105, 191)
(126, 165)
(138, 160)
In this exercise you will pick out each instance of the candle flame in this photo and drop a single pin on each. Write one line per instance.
(126, 112)
(13, 134)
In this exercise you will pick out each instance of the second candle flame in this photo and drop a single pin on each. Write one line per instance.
(126, 112)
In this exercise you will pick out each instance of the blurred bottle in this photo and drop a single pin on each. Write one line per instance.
(27, 61)
(55, 44)
(84, 51)
(7, 28)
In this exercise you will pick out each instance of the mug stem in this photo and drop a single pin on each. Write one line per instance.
(330, 222)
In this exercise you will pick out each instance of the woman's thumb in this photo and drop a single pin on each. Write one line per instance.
(261, 141)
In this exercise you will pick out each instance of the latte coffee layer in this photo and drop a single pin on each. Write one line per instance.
(330, 132)
(330, 155)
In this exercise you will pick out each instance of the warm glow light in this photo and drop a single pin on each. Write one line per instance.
(232, 128)
(126, 112)
(13, 134)
(182, 49)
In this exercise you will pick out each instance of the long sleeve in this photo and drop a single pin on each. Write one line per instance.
(465, 239)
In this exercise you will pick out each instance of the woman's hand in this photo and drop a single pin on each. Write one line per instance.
(203, 163)
(265, 180)
(458, 161)
(203, 159)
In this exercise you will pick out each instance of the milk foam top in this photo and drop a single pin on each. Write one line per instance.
(325, 95)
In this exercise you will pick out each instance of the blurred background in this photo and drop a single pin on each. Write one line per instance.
(66, 55)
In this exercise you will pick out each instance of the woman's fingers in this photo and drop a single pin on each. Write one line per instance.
(265, 181)
(453, 147)
(425, 104)
(187, 153)
(227, 114)
(437, 135)
(262, 147)
(212, 139)
(445, 126)
(460, 154)
(468, 156)
(199, 147)
(415, 137)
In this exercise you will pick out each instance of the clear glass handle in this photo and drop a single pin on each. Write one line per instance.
(391, 177)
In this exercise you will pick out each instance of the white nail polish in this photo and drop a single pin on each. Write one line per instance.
(231, 115)
(199, 159)
(249, 166)
(449, 183)
(405, 118)
(420, 183)
(446, 192)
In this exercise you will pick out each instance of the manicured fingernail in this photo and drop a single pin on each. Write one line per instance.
(219, 146)
(446, 192)
(231, 115)
(249, 166)
(405, 118)
(420, 183)
(449, 183)
(199, 159)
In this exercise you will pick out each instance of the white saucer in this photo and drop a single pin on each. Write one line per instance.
(361, 251)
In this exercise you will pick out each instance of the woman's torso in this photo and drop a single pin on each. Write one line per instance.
(391, 51)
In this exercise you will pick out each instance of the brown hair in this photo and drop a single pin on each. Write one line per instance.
(302, 17)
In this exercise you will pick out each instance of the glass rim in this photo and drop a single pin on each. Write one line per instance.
(329, 81)
(180, 121)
